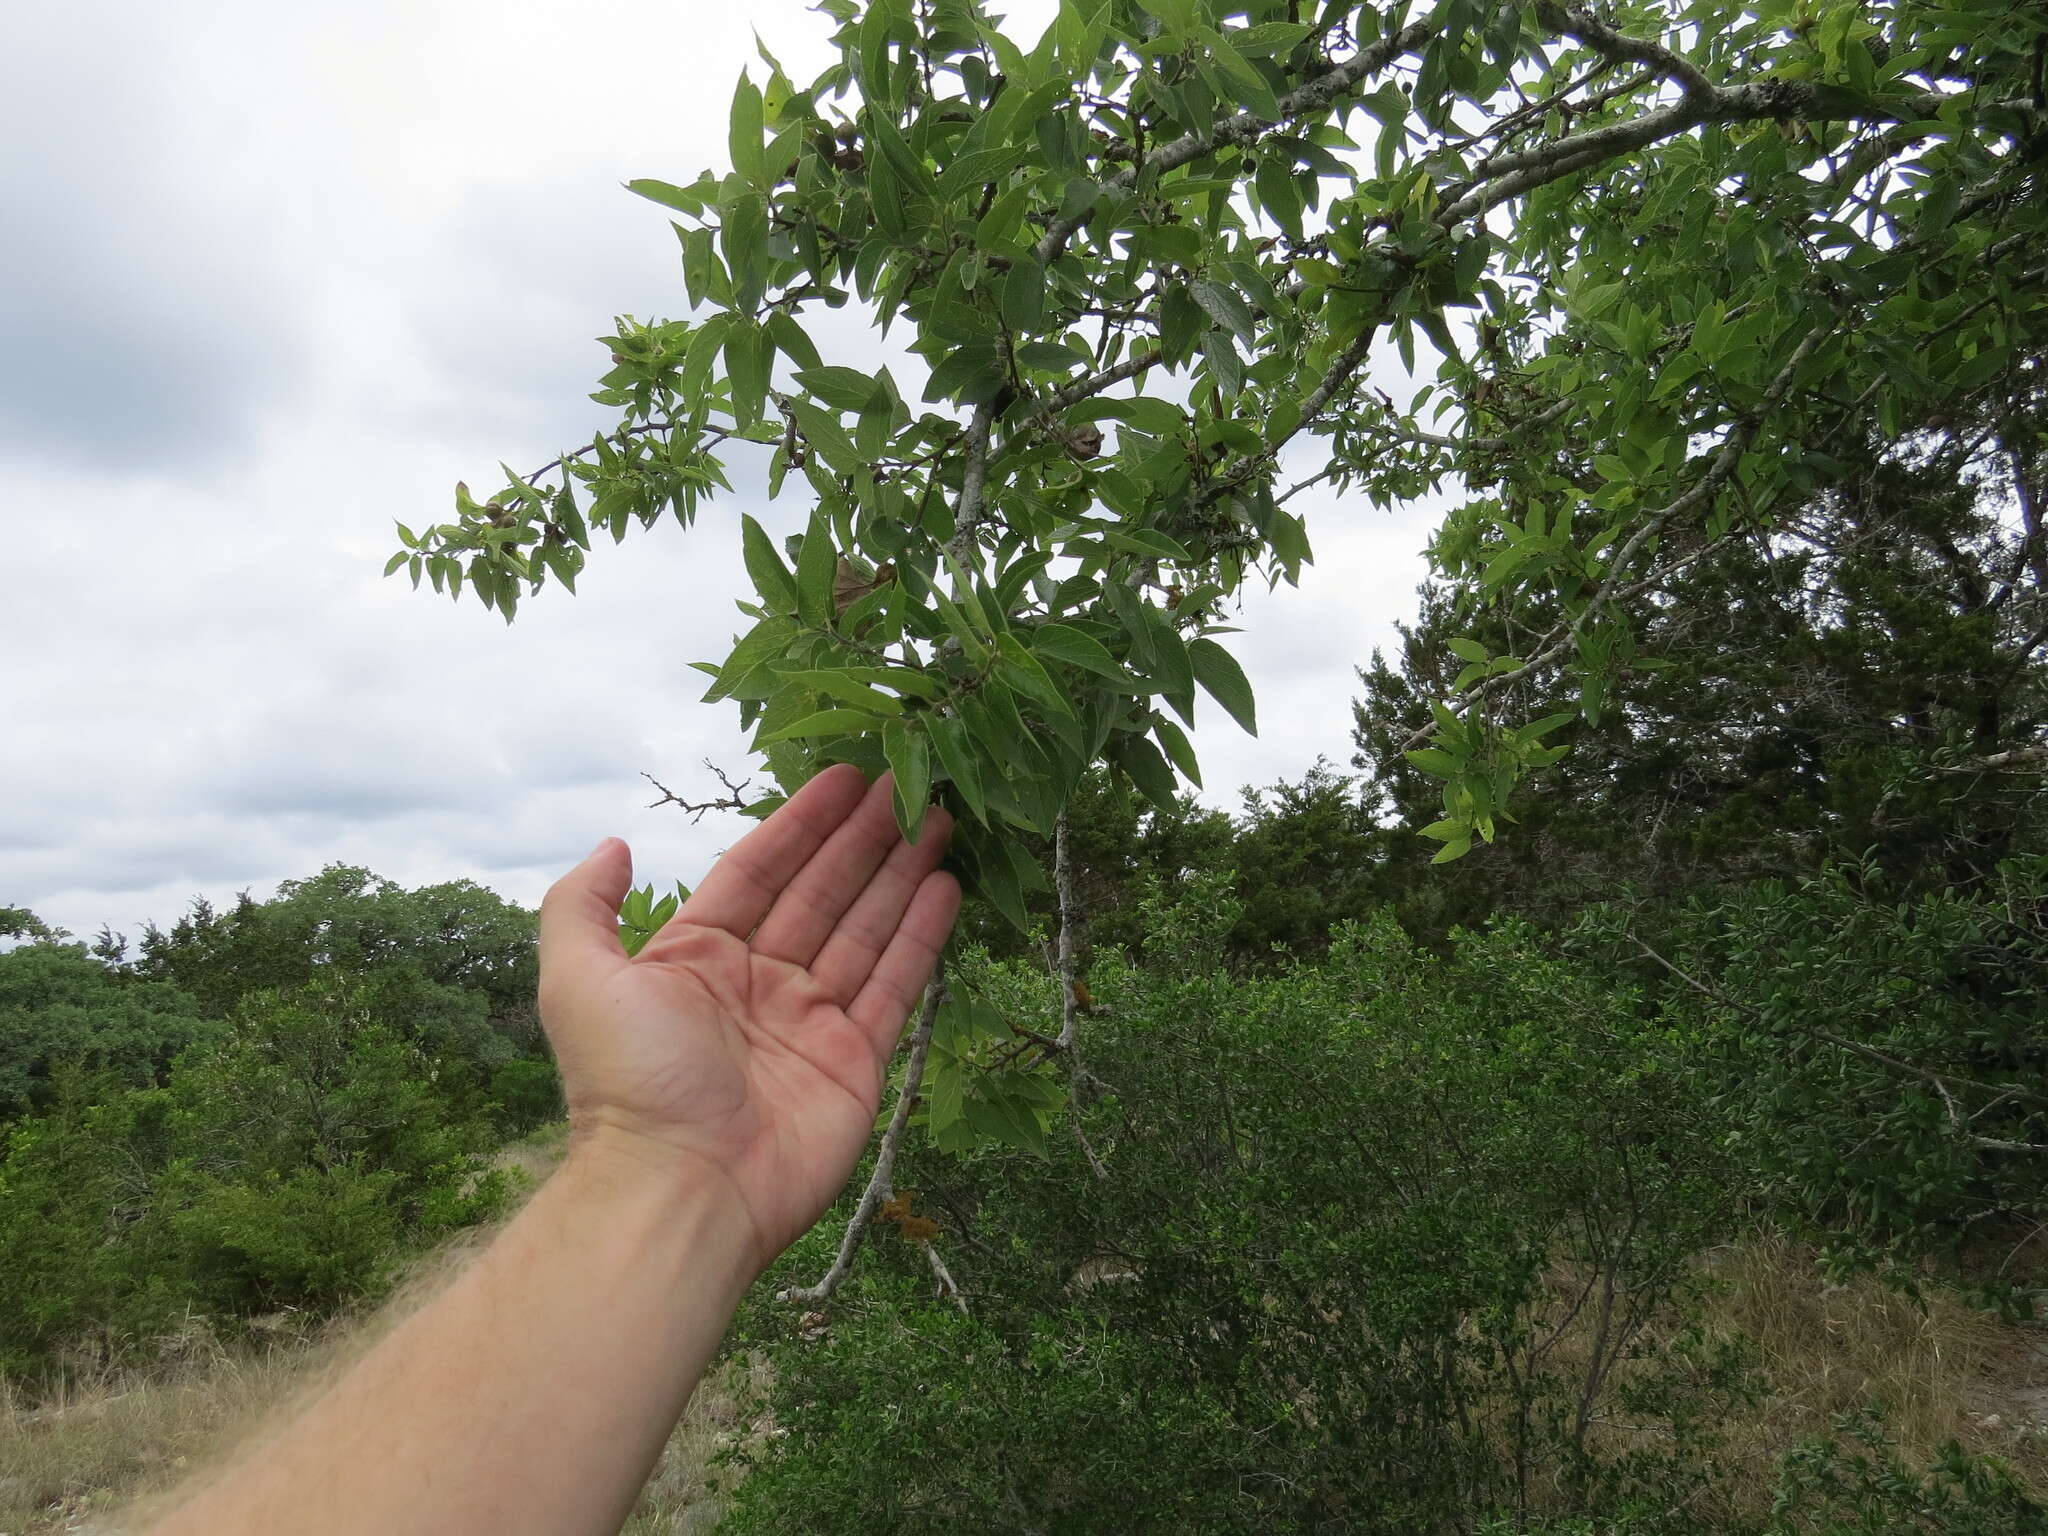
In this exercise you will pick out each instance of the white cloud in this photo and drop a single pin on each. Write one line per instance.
(291, 273)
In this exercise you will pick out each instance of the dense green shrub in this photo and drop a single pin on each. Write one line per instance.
(286, 1163)
(1386, 1240)
(525, 1094)
(1882, 1065)
(1319, 1288)
(1852, 1483)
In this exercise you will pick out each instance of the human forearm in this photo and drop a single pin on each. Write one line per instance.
(722, 1081)
(536, 1392)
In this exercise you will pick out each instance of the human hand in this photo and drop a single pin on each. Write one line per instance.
(750, 1036)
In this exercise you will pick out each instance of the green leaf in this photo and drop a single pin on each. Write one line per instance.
(1161, 418)
(1024, 296)
(1064, 643)
(1433, 761)
(1218, 672)
(682, 199)
(1147, 541)
(949, 740)
(765, 642)
(743, 238)
(817, 565)
(1249, 85)
(821, 430)
(747, 358)
(973, 170)
(910, 763)
(1226, 306)
(903, 160)
(790, 339)
(1007, 1120)
(1028, 676)
(849, 690)
(765, 568)
(1177, 16)
(996, 876)
(1468, 650)
(1178, 748)
(1225, 366)
(1147, 769)
(843, 389)
(826, 722)
(744, 131)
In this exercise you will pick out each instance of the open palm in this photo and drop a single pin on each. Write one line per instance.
(751, 1034)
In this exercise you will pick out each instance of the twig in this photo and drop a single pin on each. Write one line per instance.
(1615, 47)
(948, 1286)
(880, 1187)
(734, 799)
(1096, 383)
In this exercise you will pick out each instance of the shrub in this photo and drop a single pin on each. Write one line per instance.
(284, 1164)
(1320, 1287)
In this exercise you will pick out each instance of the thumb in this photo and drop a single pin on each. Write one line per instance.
(579, 916)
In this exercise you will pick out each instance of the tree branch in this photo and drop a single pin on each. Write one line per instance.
(1725, 462)
(948, 1286)
(970, 514)
(1615, 47)
(1244, 127)
(880, 1187)
(1063, 887)
(1096, 383)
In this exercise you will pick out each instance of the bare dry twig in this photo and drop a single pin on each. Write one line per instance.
(734, 798)
(880, 1183)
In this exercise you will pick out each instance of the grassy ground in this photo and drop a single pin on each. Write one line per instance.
(1939, 1371)
(74, 1463)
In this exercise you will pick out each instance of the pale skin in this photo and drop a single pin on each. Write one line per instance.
(721, 1086)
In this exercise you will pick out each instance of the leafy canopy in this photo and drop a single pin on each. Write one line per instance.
(1144, 270)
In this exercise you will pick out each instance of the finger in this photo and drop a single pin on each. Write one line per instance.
(579, 916)
(807, 911)
(743, 885)
(851, 950)
(906, 965)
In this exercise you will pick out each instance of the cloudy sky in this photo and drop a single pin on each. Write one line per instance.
(276, 277)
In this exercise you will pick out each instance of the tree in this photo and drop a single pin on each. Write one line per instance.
(1864, 676)
(454, 936)
(59, 1005)
(1145, 265)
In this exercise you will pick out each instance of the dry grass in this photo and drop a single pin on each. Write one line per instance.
(1937, 1370)
(68, 1463)
(104, 1456)
(681, 1498)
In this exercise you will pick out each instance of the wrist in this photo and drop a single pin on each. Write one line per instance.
(632, 1174)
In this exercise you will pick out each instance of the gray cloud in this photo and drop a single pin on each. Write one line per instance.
(148, 312)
